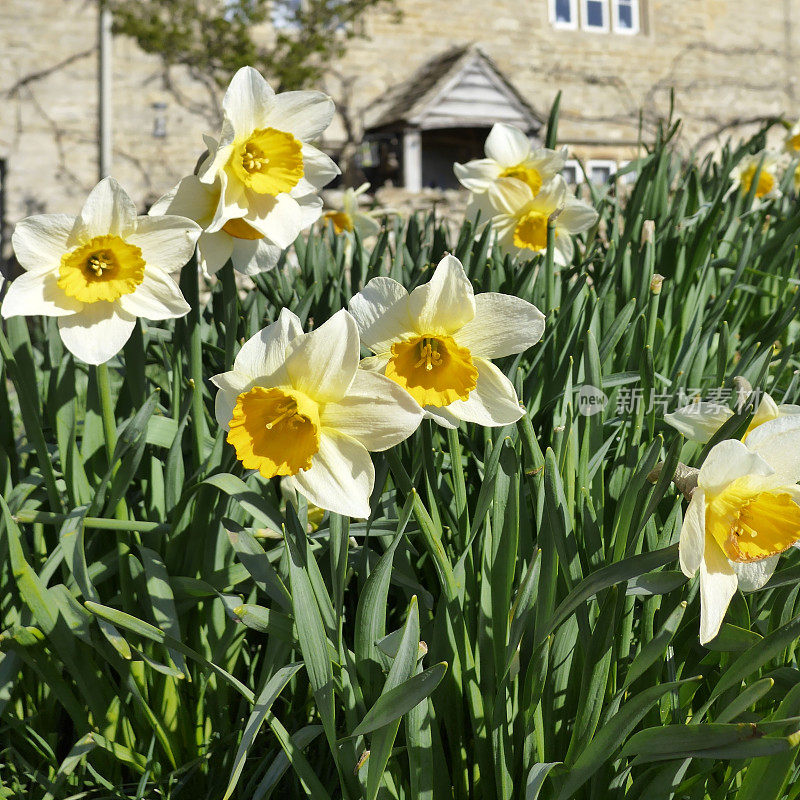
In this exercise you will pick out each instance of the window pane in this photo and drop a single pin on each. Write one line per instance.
(600, 174)
(570, 174)
(563, 11)
(594, 13)
(625, 14)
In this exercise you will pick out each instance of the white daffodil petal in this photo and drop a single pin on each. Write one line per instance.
(767, 410)
(191, 199)
(698, 422)
(477, 175)
(366, 226)
(232, 204)
(232, 381)
(375, 363)
(753, 575)
(717, 587)
(323, 363)
(493, 402)
(728, 461)
(224, 403)
(156, 297)
(218, 155)
(251, 257)
(481, 211)
(552, 197)
(166, 242)
(444, 304)
(778, 443)
(39, 242)
(247, 100)
(564, 251)
(108, 210)
(502, 325)
(214, 250)
(38, 293)
(304, 114)
(507, 145)
(441, 416)
(510, 196)
(318, 168)
(693, 534)
(576, 216)
(341, 477)
(264, 354)
(310, 207)
(376, 412)
(381, 312)
(278, 218)
(97, 332)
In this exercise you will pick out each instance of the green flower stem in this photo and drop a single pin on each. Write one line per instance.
(29, 408)
(107, 410)
(230, 301)
(549, 270)
(191, 291)
(459, 484)
(110, 435)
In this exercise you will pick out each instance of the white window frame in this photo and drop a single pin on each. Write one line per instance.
(634, 29)
(605, 27)
(601, 163)
(573, 164)
(573, 12)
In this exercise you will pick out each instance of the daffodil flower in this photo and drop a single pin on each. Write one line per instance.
(436, 343)
(510, 154)
(764, 164)
(699, 421)
(743, 514)
(297, 405)
(792, 141)
(350, 218)
(264, 161)
(99, 271)
(520, 218)
(250, 251)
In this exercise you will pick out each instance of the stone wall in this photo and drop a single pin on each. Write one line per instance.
(49, 124)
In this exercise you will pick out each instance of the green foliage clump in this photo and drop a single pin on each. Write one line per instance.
(510, 621)
(215, 39)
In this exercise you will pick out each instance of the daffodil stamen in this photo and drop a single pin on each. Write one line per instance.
(253, 160)
(434, 370)
(103, 269)
(269, 161)
(429, 355)
(100, 262)
(275, 430)
(287, 412)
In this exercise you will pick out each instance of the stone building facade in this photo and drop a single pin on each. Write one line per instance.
(730, 63)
